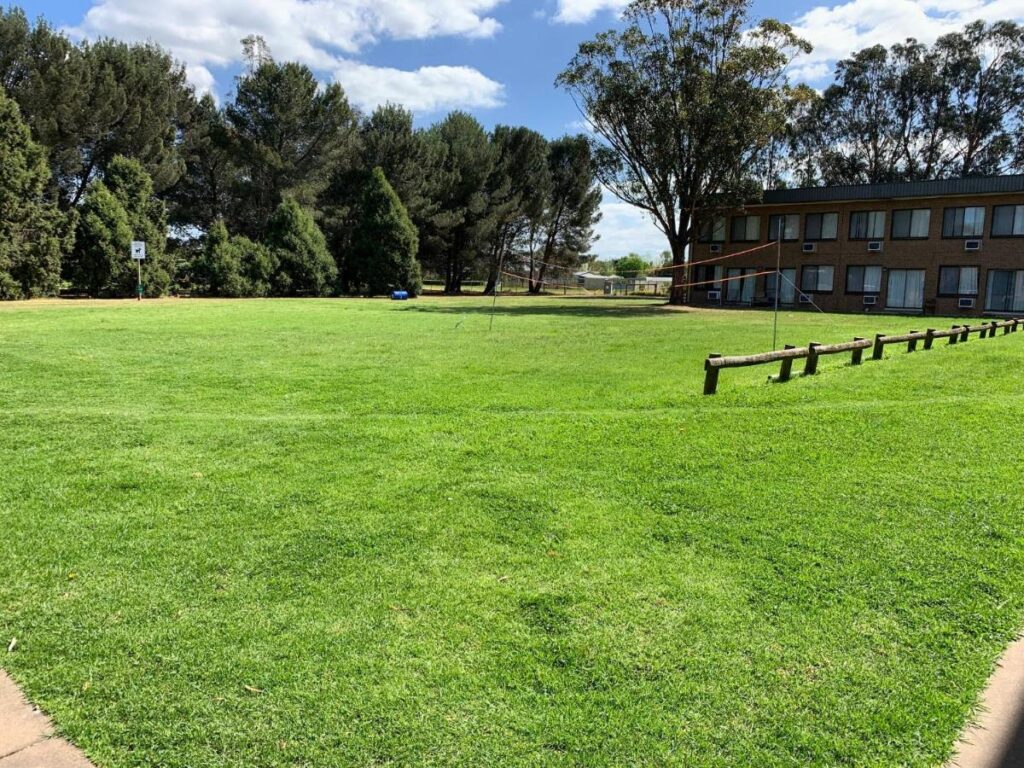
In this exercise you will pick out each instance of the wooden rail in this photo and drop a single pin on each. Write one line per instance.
(813, 351)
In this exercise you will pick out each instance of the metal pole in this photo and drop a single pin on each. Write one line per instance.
(778, 289)
(139, 287)
(497, 287)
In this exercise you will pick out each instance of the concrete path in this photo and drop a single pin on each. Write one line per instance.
(997, 741)
(26, 735)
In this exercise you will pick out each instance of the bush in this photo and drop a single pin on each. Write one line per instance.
(232, 266)
(303, 263)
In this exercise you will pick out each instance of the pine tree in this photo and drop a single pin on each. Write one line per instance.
(304, 265)
(100, 264)
(385, 242)
(30, 229)
(128, 181)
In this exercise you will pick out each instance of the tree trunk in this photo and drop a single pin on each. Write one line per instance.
(678, 294)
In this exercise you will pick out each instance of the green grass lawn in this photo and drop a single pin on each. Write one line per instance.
(329, 533)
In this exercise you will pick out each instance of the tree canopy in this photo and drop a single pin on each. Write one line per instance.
(661, 95)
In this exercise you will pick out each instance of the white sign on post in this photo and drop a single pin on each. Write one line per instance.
(138, 250)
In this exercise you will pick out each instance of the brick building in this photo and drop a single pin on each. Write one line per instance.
(947, 247)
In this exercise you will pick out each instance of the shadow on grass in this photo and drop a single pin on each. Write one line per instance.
(566, 307)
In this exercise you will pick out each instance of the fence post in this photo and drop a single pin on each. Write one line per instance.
(995, 327)
(879, 347)
(929, 339)
(966, 335)
(858, 354)
(955, 337)
(1006, 329)
(912, 344)
(786, 369)
(711, 375)
(812, 359)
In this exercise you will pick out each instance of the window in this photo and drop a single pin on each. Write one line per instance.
(788, 281)
(1008, 221)
(788, 224)
(746, 229)
(817, 279)
(821, 226)
(906, 289)
(963, 222)
(712, 230)
(1005, 291)
(867, 225)
(739, 287)
(707, 277)
(863, 279)
(911, 224)
(958, 281)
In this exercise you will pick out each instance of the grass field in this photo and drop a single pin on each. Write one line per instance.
(327, 533)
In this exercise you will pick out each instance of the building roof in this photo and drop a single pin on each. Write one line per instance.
(974, 185)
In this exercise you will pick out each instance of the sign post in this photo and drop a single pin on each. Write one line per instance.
(139, 255)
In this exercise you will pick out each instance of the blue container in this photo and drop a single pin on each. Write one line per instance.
(399, 295)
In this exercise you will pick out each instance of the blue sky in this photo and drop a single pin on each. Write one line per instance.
(495, 58)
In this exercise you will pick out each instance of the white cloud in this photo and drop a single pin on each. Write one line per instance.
(625, 229)
(201, 79)
(323, 34)
(427, 89)
(837, 31)
(581, 11)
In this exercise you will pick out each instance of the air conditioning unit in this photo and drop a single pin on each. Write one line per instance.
(810, 248)
(870, 301)
(875, 246)
(715, 248)
(972, 245)
(714, 295)
(965, 304)
(805, 299)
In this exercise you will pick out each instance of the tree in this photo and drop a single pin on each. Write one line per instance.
(89, 103)
(385, 242)
(633, 265)
(100, 263)
(453, 239)
(33, 233)
(517, 191)
(232, 266)
(917, 112)
(128, 181)
(662, 97)
(206, 190)
(565, 231)
(287, 132)
(304, 265)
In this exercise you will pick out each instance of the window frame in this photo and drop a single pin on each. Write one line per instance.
(865, 267)
(869, 214)
(960, 294)
(992, 226)
(710, 239)
(784, 216)
(817, 291)
(964, 208)
(747, 217)
(911, 211)
(819, 239)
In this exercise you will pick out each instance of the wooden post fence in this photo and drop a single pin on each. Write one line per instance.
(814, 351)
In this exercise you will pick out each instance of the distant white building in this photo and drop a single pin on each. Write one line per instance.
(591, 281)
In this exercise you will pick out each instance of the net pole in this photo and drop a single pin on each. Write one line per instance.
(497, 287)
(778, 290)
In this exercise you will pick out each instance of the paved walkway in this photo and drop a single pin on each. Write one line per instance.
(997, 741)
(26, 735)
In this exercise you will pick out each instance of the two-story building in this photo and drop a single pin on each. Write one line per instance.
(948, 247)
